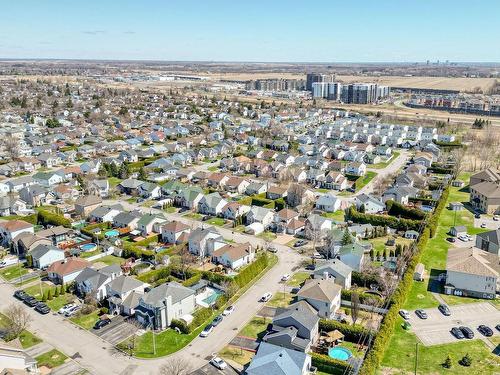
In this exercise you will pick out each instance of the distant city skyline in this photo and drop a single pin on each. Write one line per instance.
(263, 31)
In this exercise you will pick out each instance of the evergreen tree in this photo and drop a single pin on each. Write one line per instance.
(447, 363)
(142, 174)
(123, 172)
(56, 292)
(466, 360)
(347, 238)
(49, 295)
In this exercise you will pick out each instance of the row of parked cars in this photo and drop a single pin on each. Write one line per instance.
(465, 332)
(31, 301)
(444, 309)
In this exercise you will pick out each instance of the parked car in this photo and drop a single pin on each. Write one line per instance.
(207, 330)
(467, 332)
(217, 320)
(495, 218)
(485, 330)
(445, 310)
(30, 301)
(455, 331)
(295, 290)
(218, 363)
(285, 277)
(300, 243)
(71, 311)
(451, 239)
(421, 314)
(405, 314)
(3, 263)
(65, 308)
(311, 267)
(497, 327)
(463, 237)
(20, 294)
(271, 248)
(483, 225)
(102, 323)
(228, 311)
(477, 216)
(42, 308)
(266, 297)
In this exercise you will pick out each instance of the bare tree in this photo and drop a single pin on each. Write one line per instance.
(11, 146)
(18, 320)
(354, 307)
(176, 366)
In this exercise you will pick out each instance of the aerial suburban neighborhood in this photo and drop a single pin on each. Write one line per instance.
(176, 218)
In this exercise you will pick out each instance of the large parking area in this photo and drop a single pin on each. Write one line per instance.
(436, 328)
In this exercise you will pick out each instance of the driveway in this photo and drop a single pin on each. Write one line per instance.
(117, 331)
(436, 328)
(208, 369)
(490, 223)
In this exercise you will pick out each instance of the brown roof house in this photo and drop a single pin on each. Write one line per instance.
(323, 295)
(87, 203)
(234, 256)
(12, 228)
(67, 270)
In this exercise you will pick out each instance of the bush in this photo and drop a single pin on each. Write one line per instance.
(103, 310)
(252, 270)
(364, 279)
(447, 363)
(466, 360)
(183, 327)
(329, 365)
(259, 201)
(200, 317)
(346, 295)
(192, 280)
(351, 332)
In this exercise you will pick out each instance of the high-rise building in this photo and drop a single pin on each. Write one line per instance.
(316, 77)
(363, 93)
(320, 90)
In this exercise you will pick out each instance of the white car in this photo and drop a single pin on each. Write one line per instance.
(405, 314)
(463, 237)
(71, 311)
(207, 330)
(483, 225)
(219, 363)
(266, 297)
(228, 311)
(285, 277)
(65, 308)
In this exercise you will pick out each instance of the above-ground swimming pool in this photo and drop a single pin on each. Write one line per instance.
(112, 233)
(88, 247)
(340, 353)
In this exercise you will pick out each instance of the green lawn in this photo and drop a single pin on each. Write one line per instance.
(13, 272)
(114, 181)
(110, 259)
(56, 302)
(86, 321)
(216, 221)
(384, 164)
(171, 210)
(255, 327)
(337, 215)
(193, 215)
(401, 355)
(281, 299)
(88, 254)
(379, 243)
(267, 236)
(213, 168)
(370, 175)
(51, 359)
(238, 355)
(434, 255)
(239, 228)
(26, 338)
(298, 278)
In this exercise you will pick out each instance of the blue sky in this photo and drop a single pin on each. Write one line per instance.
(271, 30)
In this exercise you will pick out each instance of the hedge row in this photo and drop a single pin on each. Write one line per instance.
(382, 220)
(253, 269)
(376, 353)
(329, 365)
(200, 316)
(399, 210)
(352, 332)
(363, 297)
(46, 217)
(364, 279)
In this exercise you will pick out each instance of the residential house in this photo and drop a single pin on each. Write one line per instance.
(104, 214)
(273, 359)
(283, 218)
(10, 205)
(44, 255)
(328, 203)
(175, 232)
(86, 204)
(124, 293)
(150, 223)
(158, 307)
(99, 187)
(371, 204)
(15, 361)
(234, 210)
(489, 241)
(35, 195)
(149, 190)
(352, 255)
(67, 270)
(204, 241)
(11, 229)
(356, 168)
(323, 295)
(260, 215)
(472, 272)
(127, 219)
(92, 282)
(234, 256)
(337, 270)
(211, 204)
(189, 197)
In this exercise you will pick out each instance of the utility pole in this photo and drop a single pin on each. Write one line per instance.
(416, 357)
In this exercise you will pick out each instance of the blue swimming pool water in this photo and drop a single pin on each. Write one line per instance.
(213, 297)
(390, 265)
(340, 353)
(88, 247)
(112, 233)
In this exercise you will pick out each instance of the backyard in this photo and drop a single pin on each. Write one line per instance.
(337, 215)
(237, 355)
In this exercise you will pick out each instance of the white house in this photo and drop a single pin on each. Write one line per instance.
(328, 203)
(234, 256)
(44, 255)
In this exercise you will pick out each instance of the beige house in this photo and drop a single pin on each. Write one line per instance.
(472, 272)
(485, 191)
(86, 204)
(323, 295)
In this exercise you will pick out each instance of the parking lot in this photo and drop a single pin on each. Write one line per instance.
(436, 328)
(487, 221)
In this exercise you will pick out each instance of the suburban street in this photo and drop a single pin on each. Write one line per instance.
(99, 357)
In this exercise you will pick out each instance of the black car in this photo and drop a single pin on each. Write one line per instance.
(30, 301)
(485, 330)
(20, 294)
(467, 332)
(497, 327)
(311, 267)
(477, 216)
(217, 320)
(451, 239)
(455, 331)
(300, 243)
(421, 314)
(101, 323)
(42, 308)
(445, 310)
